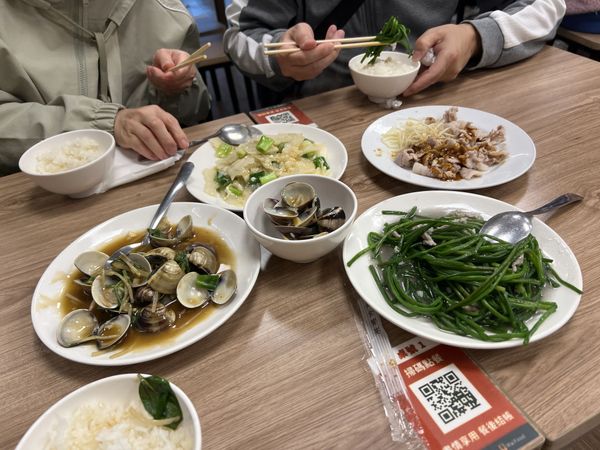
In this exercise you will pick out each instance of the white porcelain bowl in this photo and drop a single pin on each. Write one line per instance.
(73, 182)
(119, 390)
(380, 88)
(331, 192)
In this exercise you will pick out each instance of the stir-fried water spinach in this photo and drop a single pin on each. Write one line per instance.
(392, 33)
(465, 282)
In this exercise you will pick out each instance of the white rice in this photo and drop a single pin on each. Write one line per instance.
(73, 154)
(98, 426)
(386, 66)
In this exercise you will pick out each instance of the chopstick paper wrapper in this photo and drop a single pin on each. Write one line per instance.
(128, 166)
(446, 399)
(404, 423)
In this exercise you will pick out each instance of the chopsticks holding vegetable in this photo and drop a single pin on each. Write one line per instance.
(195, 57)
(365, 41)
(321, 41)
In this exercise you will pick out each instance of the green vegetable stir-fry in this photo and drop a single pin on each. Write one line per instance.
(465, 282)
(392, 32)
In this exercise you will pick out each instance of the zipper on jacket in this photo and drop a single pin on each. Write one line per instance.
(80, 43)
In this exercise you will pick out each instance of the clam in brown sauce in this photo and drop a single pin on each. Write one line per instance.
(76, 296)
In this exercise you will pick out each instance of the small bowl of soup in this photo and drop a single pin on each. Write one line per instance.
(390, 75)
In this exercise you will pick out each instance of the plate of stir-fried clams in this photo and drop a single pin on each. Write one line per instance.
(448, 147)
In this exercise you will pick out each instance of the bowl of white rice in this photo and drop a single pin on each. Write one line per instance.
(108, 414)
(387, 78)
(71, 163)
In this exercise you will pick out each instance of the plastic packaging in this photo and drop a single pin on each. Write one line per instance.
(404, 423)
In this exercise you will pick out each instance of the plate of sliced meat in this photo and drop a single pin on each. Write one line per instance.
(448, 147)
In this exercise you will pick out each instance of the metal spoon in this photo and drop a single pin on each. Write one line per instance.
(233, 134)
(178, 183)
(513, 226)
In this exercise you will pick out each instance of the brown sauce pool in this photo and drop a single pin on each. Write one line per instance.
(74, 296)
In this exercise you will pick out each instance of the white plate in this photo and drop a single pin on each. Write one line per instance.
(204, 158)
(46, 317)
(119, 389)
(436, 203)
(518, 144)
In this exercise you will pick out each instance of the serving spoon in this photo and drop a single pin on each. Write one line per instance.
(232, 134)
(178, 183)
(514, 226)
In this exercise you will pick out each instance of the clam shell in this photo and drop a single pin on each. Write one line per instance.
(112, 331)
(77, 327)
(90, 262)
(165, 279)
(190, 295)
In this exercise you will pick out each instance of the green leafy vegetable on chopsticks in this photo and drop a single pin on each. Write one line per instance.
(392, 33)
(160, 401)
(466, 283)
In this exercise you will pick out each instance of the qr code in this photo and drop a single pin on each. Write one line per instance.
(282, 117)
(449, 398)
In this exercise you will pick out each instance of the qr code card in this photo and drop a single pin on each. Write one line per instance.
(449, 397)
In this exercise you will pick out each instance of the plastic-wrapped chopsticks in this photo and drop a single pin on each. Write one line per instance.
(404, 423)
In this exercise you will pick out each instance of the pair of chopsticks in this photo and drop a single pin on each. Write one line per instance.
(354, 42)
(195, 57)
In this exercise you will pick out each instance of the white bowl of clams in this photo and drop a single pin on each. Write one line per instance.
(301, 217)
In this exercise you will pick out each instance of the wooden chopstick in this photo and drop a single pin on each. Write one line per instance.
(321, 41)
(195, 57)
(342, 46)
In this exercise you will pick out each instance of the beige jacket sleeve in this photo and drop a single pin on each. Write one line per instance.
(25, 121)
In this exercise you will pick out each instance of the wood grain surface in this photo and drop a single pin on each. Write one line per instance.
(288, 370)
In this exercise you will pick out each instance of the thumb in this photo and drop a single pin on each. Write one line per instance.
(426, 41)
(302, 34)
(163, 59)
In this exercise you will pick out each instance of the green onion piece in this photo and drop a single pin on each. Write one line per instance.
(208, 281)
(224, 150)
(281, 146)
(268, 177)
(241, 153)
(222, 179)
(254, 179)
(234, 190)
(309, 155)
(320, 162)
(264, 144)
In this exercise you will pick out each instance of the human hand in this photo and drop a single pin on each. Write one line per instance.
(453, 45)
(170, 83)
(313, 58)
(150, 131)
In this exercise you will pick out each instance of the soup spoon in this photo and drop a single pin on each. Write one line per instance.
(514, 226)
(178, 183)
(233, 134)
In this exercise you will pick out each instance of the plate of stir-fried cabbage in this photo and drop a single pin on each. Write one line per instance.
(226, 175)
(448, 147)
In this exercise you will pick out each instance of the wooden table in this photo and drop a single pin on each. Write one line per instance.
(287, 370)
(590, 41)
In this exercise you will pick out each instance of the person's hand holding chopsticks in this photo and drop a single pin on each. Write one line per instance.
(170, 82)
(314, 58)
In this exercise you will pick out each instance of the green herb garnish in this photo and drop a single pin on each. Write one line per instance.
(208, 281)
(320, 162)
(182, 260)
(393, 32)
(222, 180)
(159, 400)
